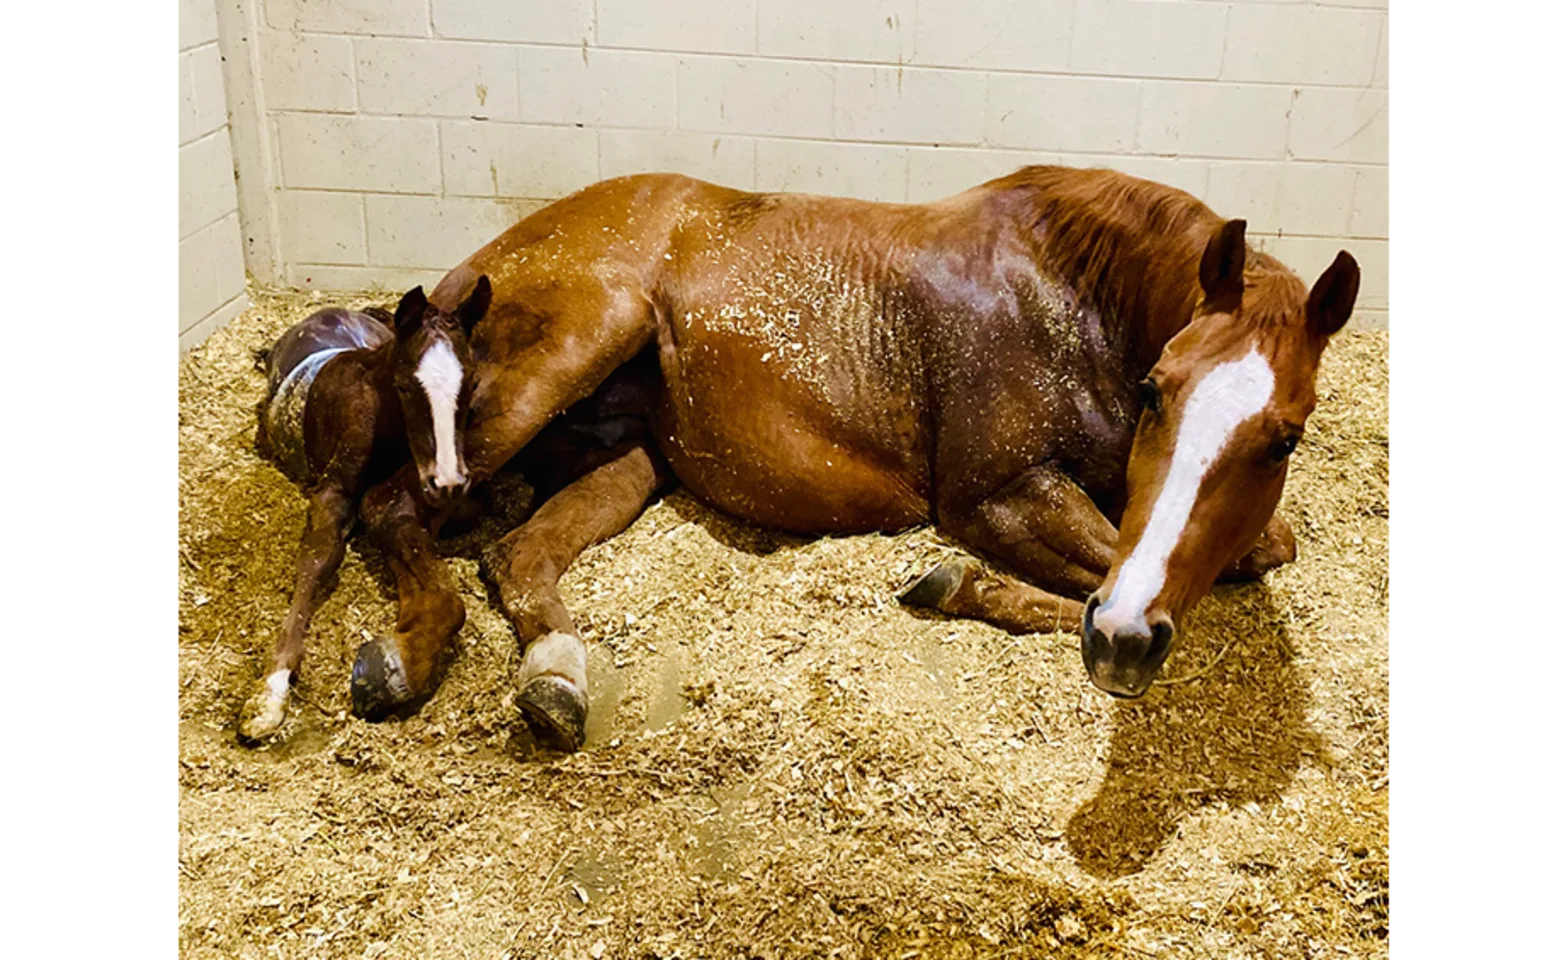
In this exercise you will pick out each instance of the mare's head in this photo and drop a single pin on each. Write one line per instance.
(1222, 410)
(433, 373)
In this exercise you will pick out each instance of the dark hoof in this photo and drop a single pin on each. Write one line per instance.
(556, 711)
(937, 586)
(379, 686)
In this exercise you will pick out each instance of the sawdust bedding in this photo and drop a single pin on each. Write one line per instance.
(782, 762)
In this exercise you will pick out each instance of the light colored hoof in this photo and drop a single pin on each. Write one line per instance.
(553, 690)
(264, 711)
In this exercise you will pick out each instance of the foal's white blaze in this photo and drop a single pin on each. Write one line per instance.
(440, 374)
(1226, 396)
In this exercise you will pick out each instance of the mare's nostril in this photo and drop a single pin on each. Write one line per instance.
(1092, 639)
(1089, 617)
(1161, 639)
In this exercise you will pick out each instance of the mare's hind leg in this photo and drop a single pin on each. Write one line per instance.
(320, 553)
(527, 564)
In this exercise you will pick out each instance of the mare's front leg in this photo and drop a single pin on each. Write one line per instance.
(1044, 526)
(527, 564)
(320, 554)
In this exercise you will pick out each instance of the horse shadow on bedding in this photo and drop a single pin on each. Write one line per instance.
(1236, 735)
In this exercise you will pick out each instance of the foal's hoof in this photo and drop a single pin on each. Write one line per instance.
(937, 586)
(379, 683)
(555, 710)
(264, 711)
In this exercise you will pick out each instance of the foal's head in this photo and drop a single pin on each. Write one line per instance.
(1222, 410)
(433, 373)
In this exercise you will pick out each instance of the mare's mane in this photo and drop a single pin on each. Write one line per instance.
(1131, 248)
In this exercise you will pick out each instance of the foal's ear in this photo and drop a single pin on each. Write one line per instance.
(1222, 266)
(1334, 295)
(476, 305)
(410, 312)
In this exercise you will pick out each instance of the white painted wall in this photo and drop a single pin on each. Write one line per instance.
(400, 135)
(211, 259)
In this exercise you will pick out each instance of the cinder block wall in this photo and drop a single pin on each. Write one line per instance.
(211, 258)
(403, 134)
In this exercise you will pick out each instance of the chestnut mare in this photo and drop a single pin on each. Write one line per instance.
(1083, 375)
(348, 396)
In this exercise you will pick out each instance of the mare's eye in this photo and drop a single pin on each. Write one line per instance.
(1150, 395)
(1283, 448)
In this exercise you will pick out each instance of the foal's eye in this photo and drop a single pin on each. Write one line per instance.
(1150, 395)
(1283, 448)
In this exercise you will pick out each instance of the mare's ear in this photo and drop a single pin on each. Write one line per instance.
(476, 305)
(1222, 266)
(1334, 295)
(410, 312)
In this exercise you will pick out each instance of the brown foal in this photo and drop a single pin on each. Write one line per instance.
(349, 396)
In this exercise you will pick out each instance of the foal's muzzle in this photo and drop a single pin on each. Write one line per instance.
(1123, 658)
(438, 494)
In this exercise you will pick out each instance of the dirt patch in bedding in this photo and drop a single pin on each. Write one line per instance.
(781, 761)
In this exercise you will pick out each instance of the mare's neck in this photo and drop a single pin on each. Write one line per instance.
(1129, 249)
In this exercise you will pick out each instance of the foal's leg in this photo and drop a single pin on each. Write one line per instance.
(1049, 530)
(591, 335)
(320, 553)
(527, 564)
(389, 671)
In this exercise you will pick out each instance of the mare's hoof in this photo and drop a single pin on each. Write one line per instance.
(555, 710)
(379, 683)
(937, 586)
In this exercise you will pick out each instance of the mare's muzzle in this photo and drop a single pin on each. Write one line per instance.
(1123, 658)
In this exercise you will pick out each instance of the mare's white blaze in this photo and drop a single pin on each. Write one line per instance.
(559, 654)
(1226, 396)
(440, 374)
